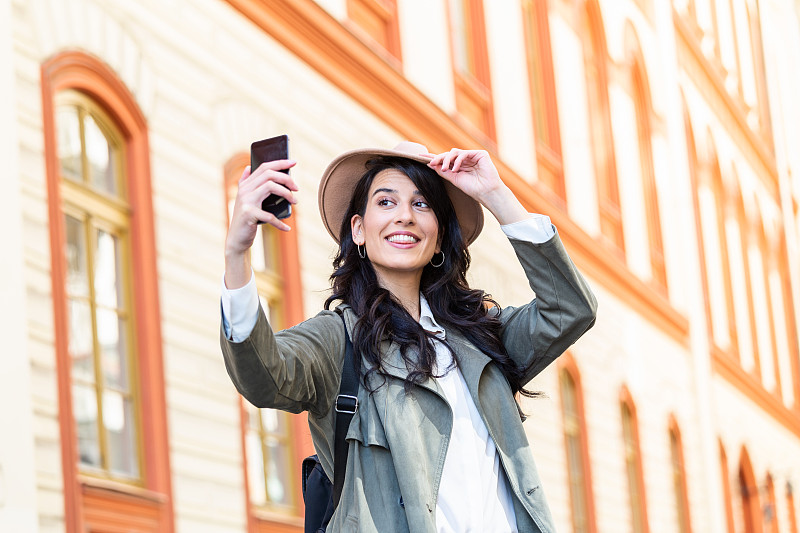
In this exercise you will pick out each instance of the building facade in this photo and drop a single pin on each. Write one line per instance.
(660, 136)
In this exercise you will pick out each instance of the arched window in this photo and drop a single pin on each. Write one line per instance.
(273, 441)
(633, 464)
(753, 364)
(761, 264)
(748, 492)
(105, 297)
(601, 135)
(770, 511)
(577, 448)
(679, 485)
(712, 200)
(726, 488)
(643, 109)
(543, 98)
(471, 65)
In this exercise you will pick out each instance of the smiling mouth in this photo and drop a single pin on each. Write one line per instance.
(402, 239)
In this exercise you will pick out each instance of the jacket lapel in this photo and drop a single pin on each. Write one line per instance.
(393, 363)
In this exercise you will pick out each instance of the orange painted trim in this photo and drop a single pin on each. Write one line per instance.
(84, 73)
(694, 180)
(73, 517)
(595, 54)
(567, 363)
(726, 488)
(386, 11)
(730, 370)
(772, 525)
(741, 219)
(474, 90)
(640, 93)
(626, 399)
(758, 151)
(309, 32)
(749, 490)
(790, 505)
(789, 317)
(674, 429)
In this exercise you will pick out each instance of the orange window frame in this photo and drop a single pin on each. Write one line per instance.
(91, 503)
(377, 20)
(544, 103)
(602, 138)
(681, 488)
(748, 490)
(633, 463)
(569, 371)
(726, 488)
(641, 99)
(291, 313)
(473, 87)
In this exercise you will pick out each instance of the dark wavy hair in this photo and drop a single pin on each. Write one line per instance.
(454, 305)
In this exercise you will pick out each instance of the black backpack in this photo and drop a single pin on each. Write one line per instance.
(320, 495)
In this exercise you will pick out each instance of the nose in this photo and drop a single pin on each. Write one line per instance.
(405, 214)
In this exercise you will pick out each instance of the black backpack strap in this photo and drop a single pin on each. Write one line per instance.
(346, 406)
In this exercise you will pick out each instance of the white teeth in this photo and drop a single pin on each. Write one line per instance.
(402, 239)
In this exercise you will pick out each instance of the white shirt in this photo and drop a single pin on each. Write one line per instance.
(473, 491)
(474, 495)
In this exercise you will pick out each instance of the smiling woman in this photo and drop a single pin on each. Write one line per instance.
(403, 220)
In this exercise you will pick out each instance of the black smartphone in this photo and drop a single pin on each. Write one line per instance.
(270, 150)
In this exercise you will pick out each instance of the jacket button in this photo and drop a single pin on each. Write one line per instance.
(403, 505)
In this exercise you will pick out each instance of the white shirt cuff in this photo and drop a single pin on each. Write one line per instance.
(536, 229)
(239, 309)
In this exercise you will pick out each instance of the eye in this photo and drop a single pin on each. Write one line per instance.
(383, 202)
(422, 204)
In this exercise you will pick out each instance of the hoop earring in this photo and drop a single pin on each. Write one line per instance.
(440, 262)
(362, 252)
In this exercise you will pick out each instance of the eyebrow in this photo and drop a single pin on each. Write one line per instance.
(391, 191)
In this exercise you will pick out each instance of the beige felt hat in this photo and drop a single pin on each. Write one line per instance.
(340, 178)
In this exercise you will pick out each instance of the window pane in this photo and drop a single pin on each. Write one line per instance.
(274, 422)
(84, 407)
(461, 45)
(119, 424)
(100, 155)
(106, 270)
(111, 337)
(257, 257)
(69, 142)
(77, 275)
(81, 347)
(277, 472)
(255, 469)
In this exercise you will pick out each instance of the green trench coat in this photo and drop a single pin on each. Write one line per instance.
(398, 441)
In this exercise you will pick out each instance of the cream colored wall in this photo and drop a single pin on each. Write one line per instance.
(18, 497)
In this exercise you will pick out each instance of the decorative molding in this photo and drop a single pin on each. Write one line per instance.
(729, 369)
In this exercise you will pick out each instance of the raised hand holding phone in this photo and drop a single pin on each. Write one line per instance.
(272, 149)
(257, 186)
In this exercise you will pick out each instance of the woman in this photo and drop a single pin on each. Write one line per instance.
(437, 443)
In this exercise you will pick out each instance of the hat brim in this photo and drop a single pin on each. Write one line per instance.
(340, 178)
